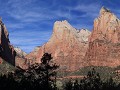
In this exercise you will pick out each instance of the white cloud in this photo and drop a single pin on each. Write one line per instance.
(92, 10)
(27, 15)
(15, 25)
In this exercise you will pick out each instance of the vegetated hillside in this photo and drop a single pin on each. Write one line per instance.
(5, 67)
(104, 71)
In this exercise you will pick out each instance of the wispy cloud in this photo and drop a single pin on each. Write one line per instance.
(91, 9)
(30, 22)
(15, 25)
(25, 40)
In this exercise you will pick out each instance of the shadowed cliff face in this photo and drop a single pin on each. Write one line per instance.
(67, 46)
(6, 50)
(104, 42)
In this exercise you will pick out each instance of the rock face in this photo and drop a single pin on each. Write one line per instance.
(20, 52)
(24, 60)
(20, 60)
(7, 52)
(73, 49)
(104, 42)
(67, 46)
(33, 56)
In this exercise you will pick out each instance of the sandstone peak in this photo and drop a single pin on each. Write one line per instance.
(62, 24)
(67, 45)
(106, 26)
(70, 49)
(20, 52)
(62, 30)
(104, 40)
(103, 10)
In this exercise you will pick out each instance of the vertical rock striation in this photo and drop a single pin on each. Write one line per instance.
(104, 42)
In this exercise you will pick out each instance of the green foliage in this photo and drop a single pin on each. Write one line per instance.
(105, 72)
(5, 67)
(92, 81)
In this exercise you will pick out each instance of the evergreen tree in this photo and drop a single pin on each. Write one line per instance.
(37, 77)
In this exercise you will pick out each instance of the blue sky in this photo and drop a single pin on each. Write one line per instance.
(30, 22)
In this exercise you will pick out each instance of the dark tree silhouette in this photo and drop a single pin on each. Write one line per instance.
(49, 70)
(76, 85)
(68, 85)
(37, 77)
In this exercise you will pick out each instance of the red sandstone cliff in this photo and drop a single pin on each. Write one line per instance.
(20, 59)
(7, 52)
(104, 42)
(71, 48)
(67, 46)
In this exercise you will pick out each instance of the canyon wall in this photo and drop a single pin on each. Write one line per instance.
(104, 42)
(67, 46)
(7, 51)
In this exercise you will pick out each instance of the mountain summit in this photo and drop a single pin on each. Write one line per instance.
(67, 45)
(104, 10)
(104, 42)
(72, 48)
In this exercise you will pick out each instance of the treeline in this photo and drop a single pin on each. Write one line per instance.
(43, 77)
(92, 81)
